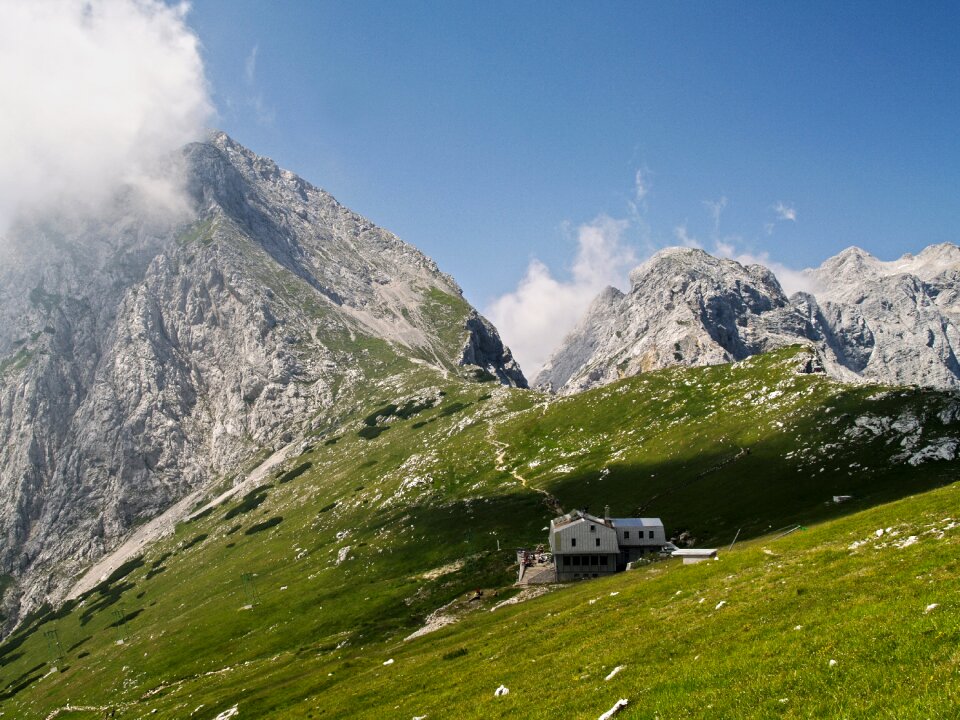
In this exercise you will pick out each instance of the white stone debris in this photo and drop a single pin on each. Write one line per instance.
(931, 607)
(832, 663)
(617, 707)
(229, 713)
(388, 662)
(501, 691)
(720, 604)
(342, 554)
(526, 594)
(613, 672)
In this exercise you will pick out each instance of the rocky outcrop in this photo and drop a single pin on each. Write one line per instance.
(891, 322)
(484, 349)
(685, 307)
(895, 322)
(143, 357)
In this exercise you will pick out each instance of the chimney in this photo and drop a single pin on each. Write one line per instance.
(606, 513)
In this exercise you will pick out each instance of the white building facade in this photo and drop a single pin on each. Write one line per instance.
(585, 546)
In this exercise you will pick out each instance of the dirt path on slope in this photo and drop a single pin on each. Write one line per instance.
(500, 463)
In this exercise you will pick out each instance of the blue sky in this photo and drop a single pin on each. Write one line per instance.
(492, 134)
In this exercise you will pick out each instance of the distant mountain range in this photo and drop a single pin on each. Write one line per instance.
(253, 454)
(890, 322)
(146, 360)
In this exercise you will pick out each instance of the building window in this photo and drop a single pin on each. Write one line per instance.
(595, 560)
(598, 542)
(603, 560)
(650, 535)
(573, 542)
(566, 561)
(593, 528)
(626, 534)
(576, 559)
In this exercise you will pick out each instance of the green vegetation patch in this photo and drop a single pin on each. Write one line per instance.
(201, 515)
(251, 501)
(265, 525)
(754, 446)
(370, 433)
(16, 362)
(453, 409)
(195, 541)
(295, 472)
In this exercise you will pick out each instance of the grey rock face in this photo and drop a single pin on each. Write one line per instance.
(684, 307)
(893, 322)
(485, 350)
(142, 358)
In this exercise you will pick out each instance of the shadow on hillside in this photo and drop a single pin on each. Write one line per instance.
(754, 490)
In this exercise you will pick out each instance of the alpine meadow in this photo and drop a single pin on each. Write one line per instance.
(262, 458)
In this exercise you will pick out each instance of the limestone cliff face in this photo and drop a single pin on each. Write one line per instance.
(684, 307)
(893, 322)
(144, 356)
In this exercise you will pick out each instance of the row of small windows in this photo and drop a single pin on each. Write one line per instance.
(626, 534)
(577, 560)
(573, 542)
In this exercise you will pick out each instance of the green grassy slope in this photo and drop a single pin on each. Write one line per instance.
(288, 600)
(752, 634)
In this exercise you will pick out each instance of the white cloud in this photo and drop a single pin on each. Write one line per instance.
(785, 212)
(250, 66)
(261, 111)
(641, 185)
(715, 208)
(790, 280)
(95, 94)
(535, 317)
(685, 239)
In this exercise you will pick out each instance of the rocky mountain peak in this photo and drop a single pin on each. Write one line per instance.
(684, 306)
(893, 321)
(141, 359)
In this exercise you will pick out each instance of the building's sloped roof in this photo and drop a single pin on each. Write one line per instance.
(574, 516)
(636, 522)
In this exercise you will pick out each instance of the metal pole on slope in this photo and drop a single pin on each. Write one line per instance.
(734, 540)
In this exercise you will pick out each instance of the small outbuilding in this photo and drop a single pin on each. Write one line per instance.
(638, 537)
(695, 555)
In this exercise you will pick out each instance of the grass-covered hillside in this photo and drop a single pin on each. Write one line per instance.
(287, 600)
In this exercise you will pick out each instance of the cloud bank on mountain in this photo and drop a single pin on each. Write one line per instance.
(536, 316)
(96, 94)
